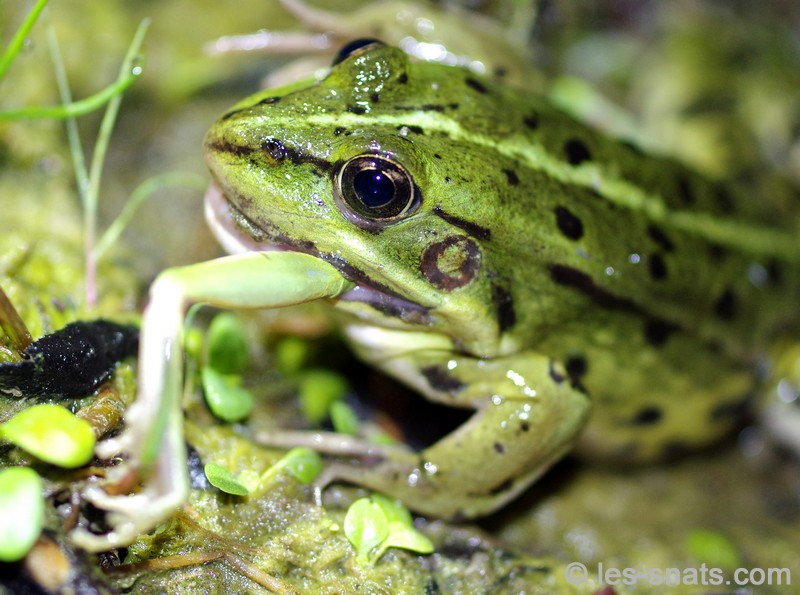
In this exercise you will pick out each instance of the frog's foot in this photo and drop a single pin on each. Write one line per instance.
(131, 515)
(166, 484)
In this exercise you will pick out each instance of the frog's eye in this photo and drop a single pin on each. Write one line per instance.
(374, 190)
(358, 46)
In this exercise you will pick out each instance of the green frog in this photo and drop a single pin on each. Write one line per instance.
(495, 255)
(509, 260)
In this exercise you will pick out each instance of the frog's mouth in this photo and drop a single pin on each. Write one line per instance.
(237, 234)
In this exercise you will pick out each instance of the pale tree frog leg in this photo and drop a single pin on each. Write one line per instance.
(152, 441)
(527, 416)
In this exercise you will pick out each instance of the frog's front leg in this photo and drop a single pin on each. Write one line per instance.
(528, 414)
(152, 442)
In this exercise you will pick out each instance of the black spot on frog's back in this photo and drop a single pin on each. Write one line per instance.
(660, 238)
(657, 267)
(569, 224)
(582, 282)
(774, 272)
(657, 331)
(576, 151)
(647, 416)
(726, 305)
(476, 85)
(531, 121)
(724, 200)
(685, 191)
(511, 177)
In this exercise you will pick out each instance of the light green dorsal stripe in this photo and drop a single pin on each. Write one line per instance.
(758, 241)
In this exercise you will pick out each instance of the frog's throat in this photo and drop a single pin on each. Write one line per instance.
(235, 237)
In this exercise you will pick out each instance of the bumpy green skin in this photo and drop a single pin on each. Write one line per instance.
(544, 267)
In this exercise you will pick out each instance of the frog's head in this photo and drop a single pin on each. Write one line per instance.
(362, 170)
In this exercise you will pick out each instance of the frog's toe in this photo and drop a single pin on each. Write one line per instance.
(102, 543)
(128, 516)
(112, 447)
(126, 506)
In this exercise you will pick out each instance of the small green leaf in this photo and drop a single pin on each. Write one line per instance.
(21, 512)
(226, 399)
(406, 538)
(402, 533)
(366, 527)
(303, 464)
(377, 523)
(52, 434)
(394, 510)
(221, 478)
(318, 390)
(193, 342)
(250, 479)
(290, 354)
(713, 548)
(343, 418)
(227, 345)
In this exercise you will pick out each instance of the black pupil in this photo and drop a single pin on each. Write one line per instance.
(373, 188)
